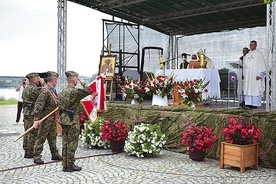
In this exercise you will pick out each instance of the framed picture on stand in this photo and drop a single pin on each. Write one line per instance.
(107, 66)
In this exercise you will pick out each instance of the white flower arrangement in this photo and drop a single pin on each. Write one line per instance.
(159, 85)
(145, 140)
(133, 89)
(91, 135)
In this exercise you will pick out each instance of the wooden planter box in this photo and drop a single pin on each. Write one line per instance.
(241, 156)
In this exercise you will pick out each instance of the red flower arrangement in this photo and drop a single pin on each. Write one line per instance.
(191, 91)
(241, 132)
(133, 89)
(116, 131)
(199, 138)
(159, 85)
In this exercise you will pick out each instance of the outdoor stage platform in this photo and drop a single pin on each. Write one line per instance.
(174, 119)
(231, 104)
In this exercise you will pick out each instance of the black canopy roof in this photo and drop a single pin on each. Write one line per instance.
(185, 17)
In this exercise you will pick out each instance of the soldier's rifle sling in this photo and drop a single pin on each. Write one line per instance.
(40, 121)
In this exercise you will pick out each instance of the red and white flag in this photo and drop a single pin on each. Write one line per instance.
(95, 103)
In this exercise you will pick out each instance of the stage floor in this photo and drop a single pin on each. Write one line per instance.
(212, 104)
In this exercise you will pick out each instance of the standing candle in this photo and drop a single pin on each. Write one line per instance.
(201, 60)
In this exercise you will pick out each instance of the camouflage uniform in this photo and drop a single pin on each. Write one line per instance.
(46, 102)
(29, 96)
(69, 109)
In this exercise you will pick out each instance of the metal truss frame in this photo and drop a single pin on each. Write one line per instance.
(271, 58)
(62, 44)
(205, 10)
(124, 57)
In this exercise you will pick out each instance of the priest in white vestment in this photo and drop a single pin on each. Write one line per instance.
(254, 82)
(210, 64)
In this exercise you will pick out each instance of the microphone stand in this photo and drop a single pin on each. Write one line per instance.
(243, 102)
(164, 63)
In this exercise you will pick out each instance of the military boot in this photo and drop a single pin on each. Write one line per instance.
(38, 161)
(73, 168)
(57, 157)
(64, 169)
(28, 155)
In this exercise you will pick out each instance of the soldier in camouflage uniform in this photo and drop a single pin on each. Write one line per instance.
(69, 109)
(29, 96)
(46, 102)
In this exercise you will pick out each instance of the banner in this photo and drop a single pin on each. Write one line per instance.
(95, 102)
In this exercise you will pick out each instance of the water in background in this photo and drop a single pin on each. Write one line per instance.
(8, 93)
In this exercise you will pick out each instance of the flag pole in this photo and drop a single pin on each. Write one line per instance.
(40, 121)
(85, 110)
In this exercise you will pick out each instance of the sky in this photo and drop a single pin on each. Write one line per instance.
(28, 37)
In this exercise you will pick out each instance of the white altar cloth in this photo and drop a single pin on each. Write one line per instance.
(211, 75)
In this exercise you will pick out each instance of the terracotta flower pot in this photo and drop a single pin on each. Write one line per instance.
(117, 146)
(197, 155)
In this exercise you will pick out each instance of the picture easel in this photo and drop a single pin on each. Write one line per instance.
(109, 89)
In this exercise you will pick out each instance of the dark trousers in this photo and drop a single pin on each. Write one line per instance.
(19, 110)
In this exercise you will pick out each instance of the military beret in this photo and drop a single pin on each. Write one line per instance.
(52, 74)
(31, 75)
(71, 74)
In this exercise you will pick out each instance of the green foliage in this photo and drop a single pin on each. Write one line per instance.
(91, 135)
(174, 119)
(268, 1)
(11, 101)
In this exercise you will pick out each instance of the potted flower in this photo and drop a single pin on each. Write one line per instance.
(145, 140)
(116, 132)
(198, 140)
(159, 86)
(91, 135)
(133, 90)
(241, 144)
(238, 131)
(190, 91)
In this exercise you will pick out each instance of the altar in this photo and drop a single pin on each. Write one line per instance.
(211, 75)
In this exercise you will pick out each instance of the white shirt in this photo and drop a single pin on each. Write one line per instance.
(19, 98)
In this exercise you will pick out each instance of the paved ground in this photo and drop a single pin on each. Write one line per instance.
(103, 166)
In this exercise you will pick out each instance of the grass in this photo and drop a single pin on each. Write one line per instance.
(11, 101)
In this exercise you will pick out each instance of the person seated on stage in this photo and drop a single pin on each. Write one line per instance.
(209, 62)
(194, 58)
(185, 63)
